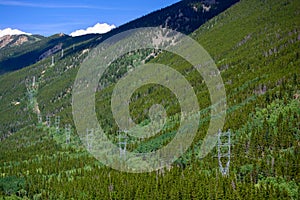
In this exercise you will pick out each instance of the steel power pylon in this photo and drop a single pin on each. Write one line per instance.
(122, 144)
(40, 118)
(68, 133)
(89, 138)
(52, 62)
(57, 122)
(48, 121)
(224, 151)
(32, 87)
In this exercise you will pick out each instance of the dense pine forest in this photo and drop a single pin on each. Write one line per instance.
(255, 45)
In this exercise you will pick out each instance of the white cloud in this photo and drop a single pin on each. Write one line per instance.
(98, 28)
(9, 31)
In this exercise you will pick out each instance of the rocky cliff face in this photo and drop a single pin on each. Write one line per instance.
(15, 40)
(51, 51)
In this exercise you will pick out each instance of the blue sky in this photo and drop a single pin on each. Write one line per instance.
(50, 17)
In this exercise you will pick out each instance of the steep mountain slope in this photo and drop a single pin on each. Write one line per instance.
(185, 16)
(256, 47)
(17, 57)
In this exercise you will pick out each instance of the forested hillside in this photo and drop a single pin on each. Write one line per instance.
(255, 45)
(184, 16)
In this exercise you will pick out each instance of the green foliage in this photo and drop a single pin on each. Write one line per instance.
(11, 185)
(279, 183)
(255, 45)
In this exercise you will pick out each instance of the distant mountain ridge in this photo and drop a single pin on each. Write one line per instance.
(18, 40)
(185, 16)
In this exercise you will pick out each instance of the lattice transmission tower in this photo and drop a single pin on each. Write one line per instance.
(68, 133)
(32, 88)
(89, 138)
(122, 144)
(40, 118)
(48, 121)
(52, 61)
(56, 123)
(224, 151)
